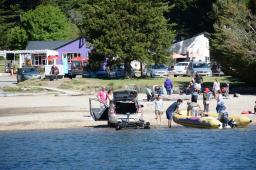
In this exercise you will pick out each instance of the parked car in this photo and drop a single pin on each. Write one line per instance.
(119, 71)
(76, 68)
(26, 73)
(217, 73)
(200, 68)
(157, 70)
(124, 112)
(88, 74)
(105, 74)
(180, 69)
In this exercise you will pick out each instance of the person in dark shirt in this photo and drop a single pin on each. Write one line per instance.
(194, 96)
(54, 72)
(168, 85)
(174, 107)
(198, 82)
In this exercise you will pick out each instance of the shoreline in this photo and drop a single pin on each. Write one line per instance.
(104, 126)
(67, 112)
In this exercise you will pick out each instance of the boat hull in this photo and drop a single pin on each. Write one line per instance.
(241, 120)
(197, 122)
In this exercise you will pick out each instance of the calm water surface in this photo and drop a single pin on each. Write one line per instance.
(96, 148)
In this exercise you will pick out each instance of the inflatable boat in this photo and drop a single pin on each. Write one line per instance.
(241, 120)
(197, 122)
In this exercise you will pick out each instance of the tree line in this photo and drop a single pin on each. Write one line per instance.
(140, 29)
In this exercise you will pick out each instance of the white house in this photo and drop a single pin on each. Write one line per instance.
(195, 48)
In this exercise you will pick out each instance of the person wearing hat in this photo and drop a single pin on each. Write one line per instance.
(206, 99)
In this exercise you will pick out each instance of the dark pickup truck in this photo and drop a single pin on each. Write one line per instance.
(76, 68)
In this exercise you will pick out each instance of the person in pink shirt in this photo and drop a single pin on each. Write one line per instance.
(102, 95)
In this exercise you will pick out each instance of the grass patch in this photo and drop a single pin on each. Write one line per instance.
(94, 84)
(32, 82)
(17, 89)
(12, 89)
(66, 86)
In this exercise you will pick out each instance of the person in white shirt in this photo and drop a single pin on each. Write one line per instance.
(216, 87)
(159, 109)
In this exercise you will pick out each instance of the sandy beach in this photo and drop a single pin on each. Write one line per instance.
(53, 112)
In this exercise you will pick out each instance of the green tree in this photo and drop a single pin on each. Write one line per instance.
(9, 17)
(191, 17)
(124, 29)
(16, 37)
(234, 40)
(46, 22)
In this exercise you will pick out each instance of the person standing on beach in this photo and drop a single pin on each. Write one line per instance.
(168, 85)
(219, 99)
(149, 93)
(110, 96)
(198, 82)
(206, 100)
(194, 95)
(174, 107)
(159, 109)
(102, 96)
(215, 87)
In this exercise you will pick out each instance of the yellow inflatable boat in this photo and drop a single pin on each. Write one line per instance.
(241, 120)
(198, 122)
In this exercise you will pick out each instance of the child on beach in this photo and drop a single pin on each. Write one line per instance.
(158, 109)
(174, 107)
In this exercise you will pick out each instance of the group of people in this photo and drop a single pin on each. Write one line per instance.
(158, 90)
(159, 110)
(193, 108)
(54, 72)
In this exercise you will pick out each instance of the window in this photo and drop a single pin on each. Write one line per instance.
(70, 56)
(201, 65)
(39, 59)
(181, 64)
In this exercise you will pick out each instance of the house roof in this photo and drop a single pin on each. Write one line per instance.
(182, 47)
(50, 45)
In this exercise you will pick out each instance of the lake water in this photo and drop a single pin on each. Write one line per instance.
(104, 148)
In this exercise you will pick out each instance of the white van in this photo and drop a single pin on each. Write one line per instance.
(180, 69)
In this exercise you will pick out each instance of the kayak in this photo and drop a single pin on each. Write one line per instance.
(197, 122)
(241, 120)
